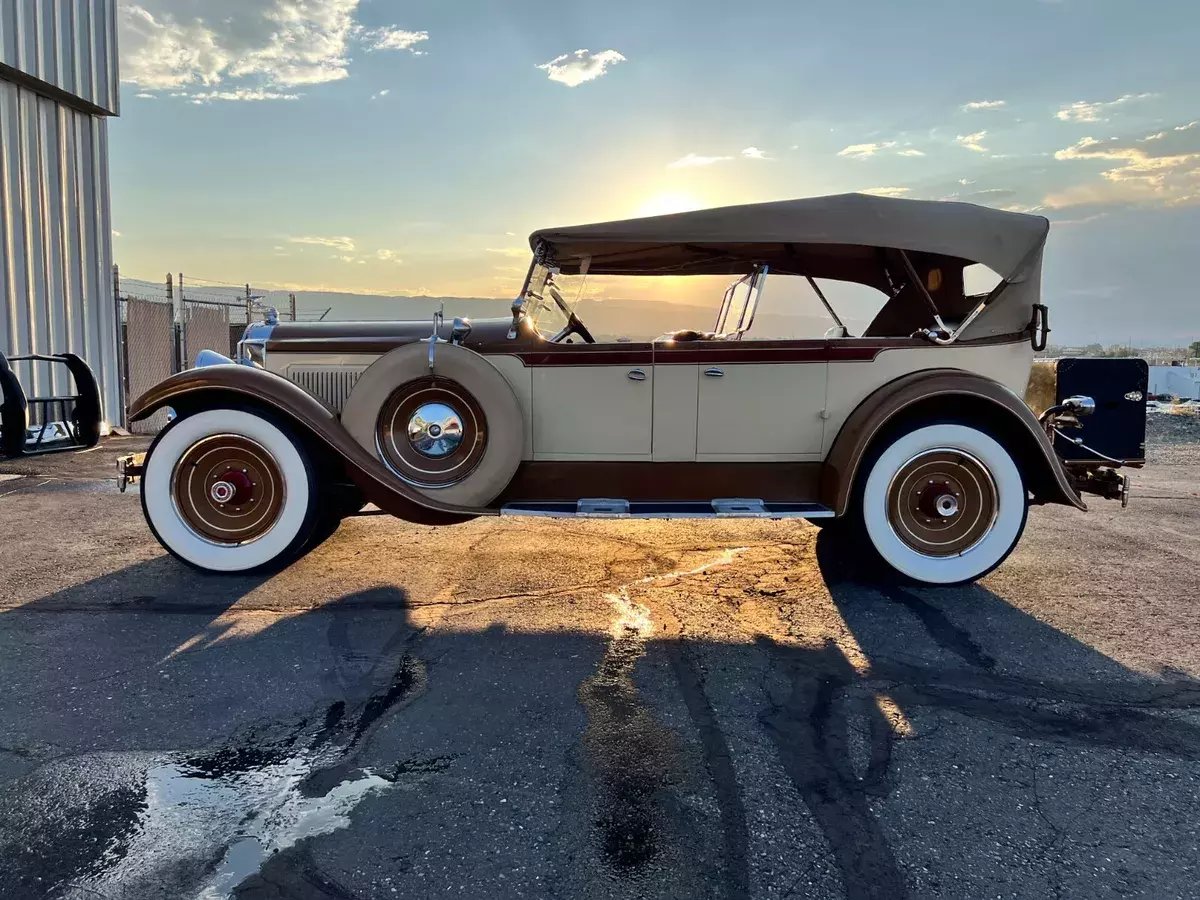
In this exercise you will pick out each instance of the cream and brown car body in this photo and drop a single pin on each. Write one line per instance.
(444, 420)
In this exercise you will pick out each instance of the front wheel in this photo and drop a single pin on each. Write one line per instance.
(229, 490)
(943, 504)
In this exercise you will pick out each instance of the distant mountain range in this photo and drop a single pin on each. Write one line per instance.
(606, 319)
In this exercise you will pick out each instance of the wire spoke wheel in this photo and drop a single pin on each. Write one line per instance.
(942, 502)
(228, 489)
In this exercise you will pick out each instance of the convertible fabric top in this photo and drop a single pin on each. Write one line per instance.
(822, 236)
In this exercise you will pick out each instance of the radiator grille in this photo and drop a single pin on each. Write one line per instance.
(329, 384)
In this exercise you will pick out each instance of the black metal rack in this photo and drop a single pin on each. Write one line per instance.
(80, 412)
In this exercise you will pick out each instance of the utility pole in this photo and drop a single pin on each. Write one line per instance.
(170, 289)
(292, 301)
(249, 306)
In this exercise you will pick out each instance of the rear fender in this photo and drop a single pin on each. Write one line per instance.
(932, 393)
(214, 386)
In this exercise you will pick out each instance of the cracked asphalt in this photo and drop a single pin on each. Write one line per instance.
(595, 709)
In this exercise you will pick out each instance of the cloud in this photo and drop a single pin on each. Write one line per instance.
(116, 233)
(1084, 111)
(984, 104)
(143, 95)
(1164, 171)
(338, 243)
(259, 45)
(392, 38)
(887, 191)
(965, 181)
(755, 153)
(248, 94)
(911, 152)
(972, 141)
(693, 160)
(573, 69)
(509, 251)
(389, 256)
(863, 151)
(382, 93)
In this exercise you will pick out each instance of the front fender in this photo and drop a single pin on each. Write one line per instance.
(972, 397)
(213, 386)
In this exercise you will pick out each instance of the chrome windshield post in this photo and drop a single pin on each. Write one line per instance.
(438, 319)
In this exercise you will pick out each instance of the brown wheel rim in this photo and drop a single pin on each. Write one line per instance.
(228, 489)
(431, 432)
(942, 502)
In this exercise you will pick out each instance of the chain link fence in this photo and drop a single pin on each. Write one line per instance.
(163, 327)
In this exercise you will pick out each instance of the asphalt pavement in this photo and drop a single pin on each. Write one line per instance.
(595, 709)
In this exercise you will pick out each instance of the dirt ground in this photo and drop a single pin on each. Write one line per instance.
(513, 708)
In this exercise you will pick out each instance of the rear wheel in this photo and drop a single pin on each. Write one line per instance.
(942, 504)
(230, 490)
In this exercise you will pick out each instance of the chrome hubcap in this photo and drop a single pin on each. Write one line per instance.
(435, 430)
(946, 506)
(222, 491)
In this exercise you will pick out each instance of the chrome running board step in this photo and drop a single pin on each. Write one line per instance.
(720, 508)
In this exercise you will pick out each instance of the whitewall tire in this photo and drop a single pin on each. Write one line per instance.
(944, 504)
(228, 490)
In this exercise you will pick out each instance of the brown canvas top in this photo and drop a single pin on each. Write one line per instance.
(832, 237)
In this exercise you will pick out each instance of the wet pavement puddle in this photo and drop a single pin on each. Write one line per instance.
(194, 825)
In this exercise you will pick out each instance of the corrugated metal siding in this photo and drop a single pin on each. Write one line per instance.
(71, 44)
(55, 242)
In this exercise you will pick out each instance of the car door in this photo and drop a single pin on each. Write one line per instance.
(594, 401)
(755, 400)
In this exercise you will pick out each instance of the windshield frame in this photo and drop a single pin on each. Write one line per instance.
(537, 307)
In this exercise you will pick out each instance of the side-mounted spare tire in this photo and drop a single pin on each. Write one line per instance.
(456, 434)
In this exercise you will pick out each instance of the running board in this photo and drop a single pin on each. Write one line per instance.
(720, 508)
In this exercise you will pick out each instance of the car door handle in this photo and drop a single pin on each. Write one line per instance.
(714, 372)
(637, 375)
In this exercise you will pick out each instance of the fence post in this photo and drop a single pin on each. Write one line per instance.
(180, 330)
(122, 362)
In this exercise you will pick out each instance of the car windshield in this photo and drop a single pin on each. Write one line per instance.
(543, 311)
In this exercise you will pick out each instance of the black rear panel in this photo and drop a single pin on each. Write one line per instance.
(1118, 427)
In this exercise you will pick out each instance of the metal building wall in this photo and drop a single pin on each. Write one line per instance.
(68, 44)
(55, 229)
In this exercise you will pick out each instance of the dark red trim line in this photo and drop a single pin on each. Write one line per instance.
(575, 354)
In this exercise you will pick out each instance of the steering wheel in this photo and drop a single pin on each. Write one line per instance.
(574, 324)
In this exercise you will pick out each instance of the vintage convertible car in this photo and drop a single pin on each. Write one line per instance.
(912, 439)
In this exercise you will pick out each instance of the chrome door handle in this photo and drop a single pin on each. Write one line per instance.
(714, 372)
(637, 375)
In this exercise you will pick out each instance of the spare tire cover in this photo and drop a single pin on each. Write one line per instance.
(457, 434)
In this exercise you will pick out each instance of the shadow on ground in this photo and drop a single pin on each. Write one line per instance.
(306, 756)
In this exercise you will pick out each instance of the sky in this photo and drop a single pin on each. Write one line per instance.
(387, 147)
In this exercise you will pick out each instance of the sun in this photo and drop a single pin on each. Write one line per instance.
(662, 204)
